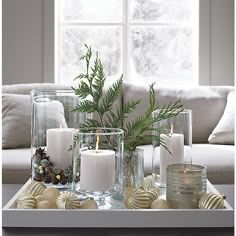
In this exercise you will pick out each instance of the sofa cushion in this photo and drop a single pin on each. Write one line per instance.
(16, 165)
(224, 131)
(16, 114)
(219, 160)
(15, 121)
(206, 102)
(26, 88)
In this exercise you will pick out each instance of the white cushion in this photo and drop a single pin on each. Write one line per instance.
(224, 131)
(206, 102)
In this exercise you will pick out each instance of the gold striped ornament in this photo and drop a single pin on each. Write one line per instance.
(152, 194)
(138, 198)
(67, 200)
(212, 201)
(148, 182)
(26, 201)
(35, 188)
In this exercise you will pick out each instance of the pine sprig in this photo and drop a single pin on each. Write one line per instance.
(91, 88)
(117, 119)
(111, 96)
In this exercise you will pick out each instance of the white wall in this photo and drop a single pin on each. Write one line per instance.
(222, 42)
(24, 42)
(216, 52)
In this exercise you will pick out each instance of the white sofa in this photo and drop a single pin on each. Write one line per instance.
(208, 108)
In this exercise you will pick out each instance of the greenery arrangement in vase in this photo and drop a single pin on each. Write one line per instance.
(97, 99)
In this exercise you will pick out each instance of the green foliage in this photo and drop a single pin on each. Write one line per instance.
(90, 88)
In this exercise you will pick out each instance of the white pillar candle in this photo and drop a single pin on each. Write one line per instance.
(175, 144)
(97, 170)
(58, 144)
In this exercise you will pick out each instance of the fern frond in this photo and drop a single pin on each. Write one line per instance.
(90, 123)
(85, 106)
(91, 88)
(152, 99)
(111, 96)
(83, 90)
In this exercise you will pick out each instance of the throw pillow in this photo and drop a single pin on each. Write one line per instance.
(224, 131)
(15, 121)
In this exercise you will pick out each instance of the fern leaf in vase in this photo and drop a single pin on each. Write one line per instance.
(91, 89)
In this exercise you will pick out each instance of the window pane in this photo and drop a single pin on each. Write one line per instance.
(91, 10)
(168, 11)
(105, 40)
(162, 54)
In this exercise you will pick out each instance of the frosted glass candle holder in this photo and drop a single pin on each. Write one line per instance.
(176, 135)
(52, 124)
(185, 184)
(97, 158)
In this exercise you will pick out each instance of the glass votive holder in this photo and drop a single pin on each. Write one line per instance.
(185, 184)
(97, 160)
(175, 145)
(52, 124)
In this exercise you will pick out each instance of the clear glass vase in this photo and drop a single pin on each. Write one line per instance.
(176, 136)
(97, 160)
(52, 124)
(133, 168)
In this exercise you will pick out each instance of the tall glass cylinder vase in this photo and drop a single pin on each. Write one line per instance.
(52, 124)
(97, 161)
(175, 145)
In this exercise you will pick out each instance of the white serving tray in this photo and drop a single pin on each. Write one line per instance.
(123, 218)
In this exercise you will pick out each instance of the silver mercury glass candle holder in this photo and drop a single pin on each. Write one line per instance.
(185, 184)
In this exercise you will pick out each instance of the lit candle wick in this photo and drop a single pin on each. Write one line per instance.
(97, 140)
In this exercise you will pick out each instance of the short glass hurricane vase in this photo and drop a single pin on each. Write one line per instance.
(97, 161)
(176, 136)
(52, 124)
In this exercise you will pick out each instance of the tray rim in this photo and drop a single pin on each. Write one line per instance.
(219, 215)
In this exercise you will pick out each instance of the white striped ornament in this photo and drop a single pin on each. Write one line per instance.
(26, 201)
(35, 188)
(211, 201)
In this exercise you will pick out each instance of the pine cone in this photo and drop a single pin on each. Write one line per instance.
(38, 178)
(47, 179)
(63, 180)
(55, 180)
(57, 170)
(48, 169)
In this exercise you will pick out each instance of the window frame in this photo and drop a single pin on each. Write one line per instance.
(202, 70)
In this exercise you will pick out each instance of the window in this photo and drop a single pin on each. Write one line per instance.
(145, 40)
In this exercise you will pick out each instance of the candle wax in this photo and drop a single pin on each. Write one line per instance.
(97, 170)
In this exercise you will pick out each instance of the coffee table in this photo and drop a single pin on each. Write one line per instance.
(9, 190)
